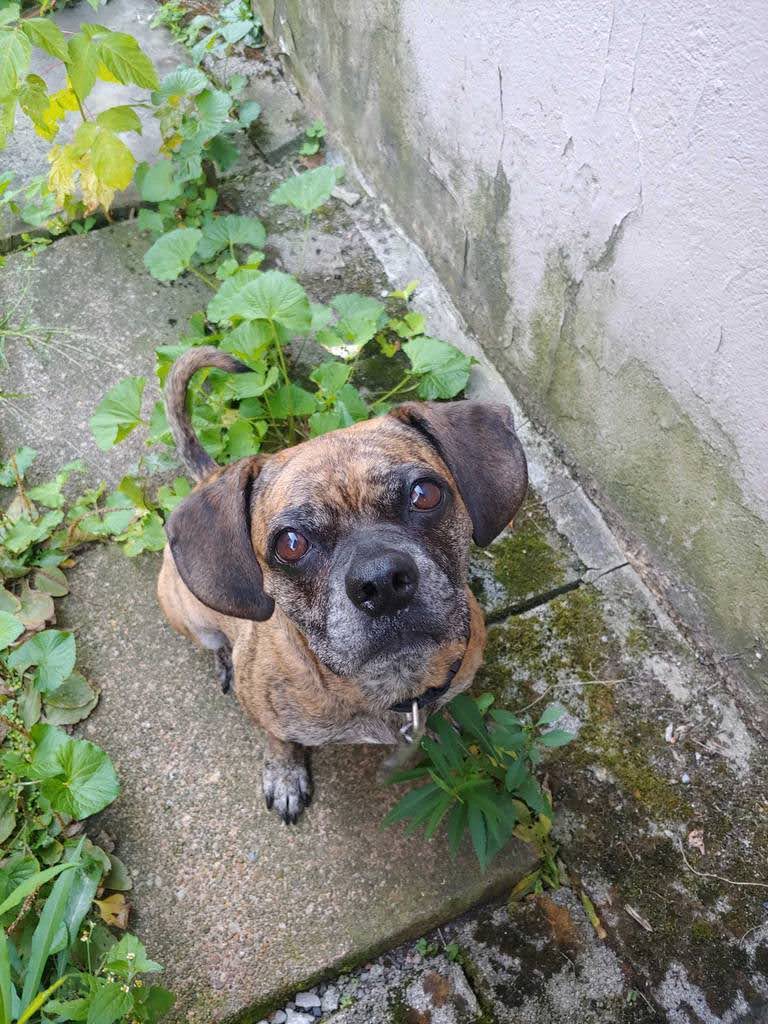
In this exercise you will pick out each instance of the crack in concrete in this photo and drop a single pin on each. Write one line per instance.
(546, 596)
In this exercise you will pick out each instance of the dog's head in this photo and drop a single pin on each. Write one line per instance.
(361, 537)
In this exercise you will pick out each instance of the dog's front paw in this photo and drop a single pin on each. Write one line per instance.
(287, 788)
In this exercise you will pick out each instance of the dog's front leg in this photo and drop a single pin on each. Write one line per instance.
(287, 781)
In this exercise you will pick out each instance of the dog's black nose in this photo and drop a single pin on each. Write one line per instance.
(383, 583)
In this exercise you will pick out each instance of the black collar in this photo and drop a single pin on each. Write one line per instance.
(432, 694)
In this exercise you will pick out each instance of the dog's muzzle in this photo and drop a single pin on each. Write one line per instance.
(431, 695)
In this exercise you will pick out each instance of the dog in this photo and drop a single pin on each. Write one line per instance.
(330, 579)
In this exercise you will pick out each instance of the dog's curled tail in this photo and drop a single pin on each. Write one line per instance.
(193, 455)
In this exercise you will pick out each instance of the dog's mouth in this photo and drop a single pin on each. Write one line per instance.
(430, 696)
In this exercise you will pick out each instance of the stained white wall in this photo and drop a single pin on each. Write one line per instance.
(646, 119)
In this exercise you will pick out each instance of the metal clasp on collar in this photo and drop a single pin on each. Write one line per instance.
(410, 730)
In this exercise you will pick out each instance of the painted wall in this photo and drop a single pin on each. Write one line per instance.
(589, 180)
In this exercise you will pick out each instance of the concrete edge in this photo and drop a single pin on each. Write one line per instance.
(487, 890)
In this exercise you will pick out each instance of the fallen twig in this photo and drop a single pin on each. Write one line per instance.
(720, 878)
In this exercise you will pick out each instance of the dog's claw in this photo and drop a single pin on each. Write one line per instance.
(287, 789)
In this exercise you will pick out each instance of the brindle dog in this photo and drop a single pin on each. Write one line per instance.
(330, 579)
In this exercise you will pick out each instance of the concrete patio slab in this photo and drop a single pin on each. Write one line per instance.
(82, 315)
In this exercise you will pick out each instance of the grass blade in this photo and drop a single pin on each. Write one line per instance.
(50, 919)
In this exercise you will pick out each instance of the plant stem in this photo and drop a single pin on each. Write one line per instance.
(203, 277)
(286, 378)
(304, 244)
(399, 387)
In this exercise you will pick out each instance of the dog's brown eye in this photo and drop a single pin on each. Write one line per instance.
(290, 546)
(425, 495)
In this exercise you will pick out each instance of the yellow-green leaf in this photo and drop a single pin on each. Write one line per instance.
(112, 161)
(120, 119)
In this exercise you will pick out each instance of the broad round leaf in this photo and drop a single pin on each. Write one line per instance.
(10, 629)
(76, 776)
(118, 413)
(182, 82)
(272, 296)
(307, 191)
(443, 369)
(158, 182)
(172, 253)
(52, 652)
(221, 232)
(120, 119)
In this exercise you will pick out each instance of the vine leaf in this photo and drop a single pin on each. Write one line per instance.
(118, 413)
(171, 254)
(306, 192)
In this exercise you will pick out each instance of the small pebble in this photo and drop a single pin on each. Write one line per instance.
(685, 778)
(278, 1017)
(293, 1017)
(306, 1000)
(330, 999)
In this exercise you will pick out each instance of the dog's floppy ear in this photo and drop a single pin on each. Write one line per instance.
(478, 443)
(210, 537)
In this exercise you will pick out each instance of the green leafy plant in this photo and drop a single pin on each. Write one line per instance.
(477, 775)
(57, 958)
(313, 139)
(87, 171)
(234, 23)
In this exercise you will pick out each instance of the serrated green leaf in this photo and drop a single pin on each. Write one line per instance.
(129, 955)
(158, 182)
(324, 422)
(291, 400)
(81, 66)
(171, 254)
(331, 376)
(221, 232)
(443, 370)
(181, 82)
(124, 58)
(118, 413)
(248, 112)
(46, 34)
(306, 192)
(212, 113)
(110, 1003)
(150, 220)
(22, 459)
(52, 652)
(516, 774)
(15, 53)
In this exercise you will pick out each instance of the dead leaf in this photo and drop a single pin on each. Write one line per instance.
(638, 917)
(594, 920)
(563, 927)
(696, 840)
(114, 910)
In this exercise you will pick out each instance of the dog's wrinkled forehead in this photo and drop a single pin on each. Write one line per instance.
(350, 470)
